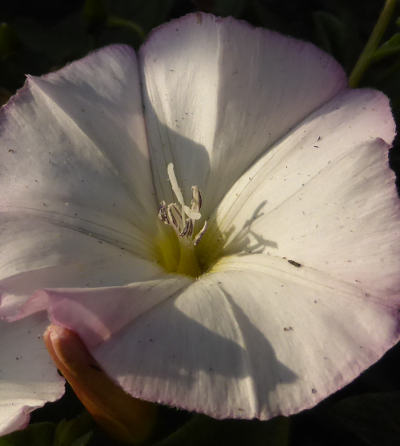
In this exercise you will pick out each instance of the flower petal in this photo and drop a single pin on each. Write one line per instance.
(251, 340)
(37, 254)
(28, 378)
(96, 314)
(73, 147)
(218, 93)
(77, 194)
(323, 197)
(183, 353)
(321, 329)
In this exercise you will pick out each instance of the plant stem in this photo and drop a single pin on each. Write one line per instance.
(381, 53)
(365, 58)
(119, 22)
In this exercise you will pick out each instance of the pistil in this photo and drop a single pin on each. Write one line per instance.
(188, 263)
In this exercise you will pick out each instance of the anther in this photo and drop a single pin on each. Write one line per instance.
(200, 234)
(180, 217)
(174, 217)
(162, 213)
(196, 199)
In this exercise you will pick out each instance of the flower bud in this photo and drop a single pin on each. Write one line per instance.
(123, 417)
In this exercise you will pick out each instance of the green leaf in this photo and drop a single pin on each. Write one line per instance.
(389, 48)
(393, 41)
(39, 434)
(333, 35)
(202, 430)
(59, 43)
(83, 440)
(118, 22)
(385, 76)
(75, 432)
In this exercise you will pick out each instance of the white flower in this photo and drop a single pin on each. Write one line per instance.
(296, 286)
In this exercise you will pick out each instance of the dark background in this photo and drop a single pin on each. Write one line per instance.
(40, 36)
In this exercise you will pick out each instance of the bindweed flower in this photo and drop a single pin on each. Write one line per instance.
(215, 219)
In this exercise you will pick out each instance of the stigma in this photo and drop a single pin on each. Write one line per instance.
(180, 217)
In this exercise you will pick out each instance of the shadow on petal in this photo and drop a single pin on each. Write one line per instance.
(199, 353)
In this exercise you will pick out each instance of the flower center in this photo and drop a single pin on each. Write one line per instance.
(183, 220)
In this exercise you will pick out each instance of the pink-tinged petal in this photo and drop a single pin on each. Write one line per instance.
(74, 151)
(38, 254)
(254, 339)
(218, 93)
(96, 314)
(28, 378)
(323, 197)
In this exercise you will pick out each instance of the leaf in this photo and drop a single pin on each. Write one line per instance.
(333, 35)
(393, 41)
(78, 430)
(385, 76)
(38, 434)
(83, 440)
(118, 22)
(202, 430)
(389, 48)
(59, 43)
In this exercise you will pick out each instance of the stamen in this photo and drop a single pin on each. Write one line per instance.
(191, 214)
(186, 229)
(175, 217)
(182, 218)
(162, 213)
(191, 228)
(196, 199)
(174, 184)
(200, 234)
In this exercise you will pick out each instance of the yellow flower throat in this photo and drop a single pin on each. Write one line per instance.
(179, 252)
